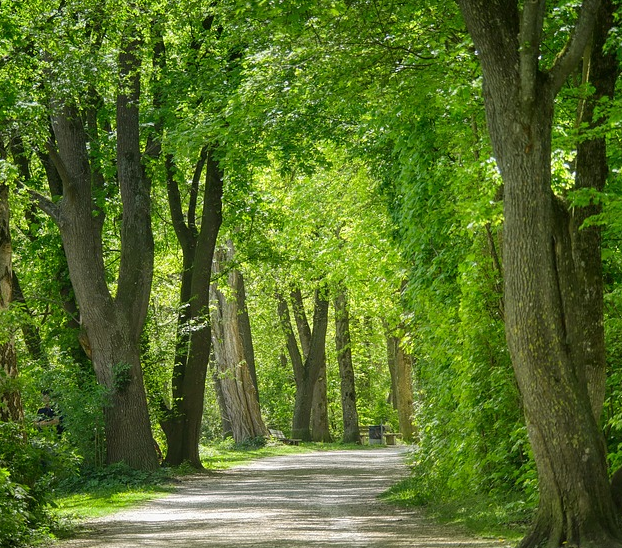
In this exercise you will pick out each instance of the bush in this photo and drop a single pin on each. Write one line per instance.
(14, 515)
(31, 465)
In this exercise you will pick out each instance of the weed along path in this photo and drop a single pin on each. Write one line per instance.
(315, 500)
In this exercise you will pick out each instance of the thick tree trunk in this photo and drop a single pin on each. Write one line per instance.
(546, 288)
(111, 325)
(235, 380)
(10, 397)
(343, 345)
(182, 422)
(320, 430)
(225, 423)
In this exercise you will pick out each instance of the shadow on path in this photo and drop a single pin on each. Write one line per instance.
(316, 500)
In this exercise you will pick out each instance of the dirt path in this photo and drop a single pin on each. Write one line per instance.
(317, 500)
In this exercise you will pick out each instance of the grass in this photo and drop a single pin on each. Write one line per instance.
(100, 492)
(485, 516)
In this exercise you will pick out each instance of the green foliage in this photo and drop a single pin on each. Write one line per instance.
(14, 514)
(121, 376)
(31, 464)
(500, 516)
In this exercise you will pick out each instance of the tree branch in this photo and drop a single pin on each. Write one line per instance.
(529, 44)
(46, 205)
(570, 56)
(58, 164)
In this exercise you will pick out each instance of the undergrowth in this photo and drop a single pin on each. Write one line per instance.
(486, 515)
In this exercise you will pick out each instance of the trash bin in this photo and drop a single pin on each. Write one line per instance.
(375, 435)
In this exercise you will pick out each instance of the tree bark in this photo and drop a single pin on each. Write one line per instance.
(10, 398)
(182, 422)
(400, 367)
(547, 280)
(235, 380)
(320, 430)
(306, 370)
(111, 324)
(343, 345)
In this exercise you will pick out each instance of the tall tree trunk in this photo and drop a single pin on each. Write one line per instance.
(320, 430)
(10, 398)
(400, 365)
(182, 422)
(306, 370)
(550, 277)
(111, 324)
(244, 324)
(32, 338)
(238, 390)
(343, 345)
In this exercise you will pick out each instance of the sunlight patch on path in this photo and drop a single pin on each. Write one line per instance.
(316, 500)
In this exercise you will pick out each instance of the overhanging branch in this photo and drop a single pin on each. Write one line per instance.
(46, 205)
(570, 56)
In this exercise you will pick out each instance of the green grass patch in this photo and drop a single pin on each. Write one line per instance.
(99, 492)
(226, 454)
(504, 518)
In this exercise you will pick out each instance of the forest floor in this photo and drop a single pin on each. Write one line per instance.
(315, 500)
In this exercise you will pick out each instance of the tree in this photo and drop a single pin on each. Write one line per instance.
(550, 277)
(111, 324)
(306, 367)
(10, 397)
(319, 407)
(400, 366)
(343, 344)
(182, 422)
(239, 395)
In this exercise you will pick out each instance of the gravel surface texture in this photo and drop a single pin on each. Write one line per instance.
(315, 500)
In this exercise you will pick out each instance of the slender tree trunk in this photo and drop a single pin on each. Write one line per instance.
(319, 410)
(182, 422)
(238, 390)
(245, 327)
(343, 346)
(306, 370)
(546, 277)
(10, 398)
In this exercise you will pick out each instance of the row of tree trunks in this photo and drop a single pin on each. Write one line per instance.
(232, 354)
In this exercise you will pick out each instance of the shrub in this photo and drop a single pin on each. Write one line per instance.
(31, 464)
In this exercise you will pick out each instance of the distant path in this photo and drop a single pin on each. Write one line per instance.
(315, 500)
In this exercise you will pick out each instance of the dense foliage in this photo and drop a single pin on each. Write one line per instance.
(352, 137)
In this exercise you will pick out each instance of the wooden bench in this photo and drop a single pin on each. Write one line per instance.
(278, 435)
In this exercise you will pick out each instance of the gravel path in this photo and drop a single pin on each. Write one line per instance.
(318, 500)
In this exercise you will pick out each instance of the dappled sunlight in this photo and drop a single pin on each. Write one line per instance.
(315, 500)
